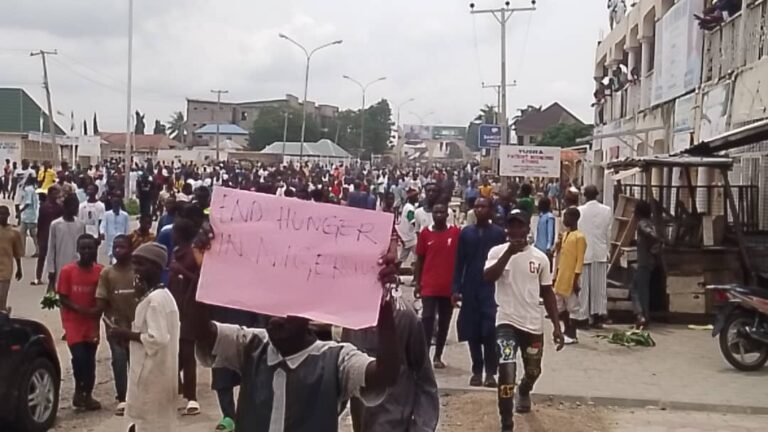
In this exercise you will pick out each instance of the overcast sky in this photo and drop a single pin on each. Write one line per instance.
(430, 50)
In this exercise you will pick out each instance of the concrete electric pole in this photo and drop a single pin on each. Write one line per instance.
(218, 109)
(47, 86)
(503, 15)
(363, 89)
(497, 89)
(128, 114)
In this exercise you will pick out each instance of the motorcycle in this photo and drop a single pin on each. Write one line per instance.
(742, 324)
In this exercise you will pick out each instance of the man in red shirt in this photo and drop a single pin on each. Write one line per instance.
(436, 256)
(80, 318)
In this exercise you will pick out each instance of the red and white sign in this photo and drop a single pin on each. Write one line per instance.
(529, 161)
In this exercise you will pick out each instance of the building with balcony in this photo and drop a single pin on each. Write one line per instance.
(208, 112)
(663, 84)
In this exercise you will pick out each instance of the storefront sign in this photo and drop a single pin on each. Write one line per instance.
(529, 161)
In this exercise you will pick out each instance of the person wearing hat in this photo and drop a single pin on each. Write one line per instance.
(153, 345)
(522, 276)
(406, 228)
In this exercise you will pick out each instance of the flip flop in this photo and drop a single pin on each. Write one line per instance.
(226, 424)
(193, 408)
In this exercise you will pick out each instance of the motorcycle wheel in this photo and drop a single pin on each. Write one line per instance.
(741, 352)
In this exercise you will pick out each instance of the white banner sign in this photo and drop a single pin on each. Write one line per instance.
(529, 161)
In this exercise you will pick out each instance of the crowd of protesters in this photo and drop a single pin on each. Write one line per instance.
(467, 236)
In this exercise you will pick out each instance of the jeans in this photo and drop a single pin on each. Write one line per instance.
(119, 368)
(443, 309)
(84, 365)
(641, 291)
(509, 341)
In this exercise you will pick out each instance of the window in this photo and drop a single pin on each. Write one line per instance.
(532, 140)
(243, 116)
(195, 108)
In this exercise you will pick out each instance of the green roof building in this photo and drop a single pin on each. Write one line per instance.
(20, 114)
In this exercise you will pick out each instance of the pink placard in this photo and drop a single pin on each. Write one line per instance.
(284, 256)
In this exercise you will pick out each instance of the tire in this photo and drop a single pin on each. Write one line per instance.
(39, 414)
(733, 323)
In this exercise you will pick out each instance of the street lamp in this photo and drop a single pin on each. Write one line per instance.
(400, 105)
(399, 145)
(421, 117)
(308, 54)
(363, 88)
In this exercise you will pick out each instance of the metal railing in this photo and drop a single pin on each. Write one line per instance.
(721, 45)
(709, 200)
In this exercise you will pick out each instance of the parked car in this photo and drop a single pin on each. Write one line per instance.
(30, 375)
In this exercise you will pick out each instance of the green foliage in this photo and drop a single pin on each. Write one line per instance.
(176, 126)
(564, 135)
(50, 301)
(131, 206)
(487, 115)
(344, 129)
(629, 338)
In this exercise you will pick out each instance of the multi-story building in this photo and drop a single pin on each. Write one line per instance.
(664, 84)
(204, 112)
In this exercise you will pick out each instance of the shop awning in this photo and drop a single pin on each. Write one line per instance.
(736, 138)
(621, 175)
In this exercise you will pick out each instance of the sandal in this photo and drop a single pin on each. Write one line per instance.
(192, 409)
(438, 364)
(120, 409)
(226, 424)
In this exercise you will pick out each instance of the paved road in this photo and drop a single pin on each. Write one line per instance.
(685, 367)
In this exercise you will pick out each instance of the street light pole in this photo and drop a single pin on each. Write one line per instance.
(363, 89)
(399, 144)
(285, 133)
(503, 15)
(128, 113)
(308, 54)
(218, 110)
(497, 89)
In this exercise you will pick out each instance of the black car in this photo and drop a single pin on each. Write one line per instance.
(30, 376)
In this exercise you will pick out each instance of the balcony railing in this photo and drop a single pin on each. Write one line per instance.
(721, 46)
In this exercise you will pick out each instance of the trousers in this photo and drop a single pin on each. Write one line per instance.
(439, 308)
(187, 370)
(510, 340)
(120, 358)
(84, 365)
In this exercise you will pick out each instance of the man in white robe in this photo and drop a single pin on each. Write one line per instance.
(154, 346)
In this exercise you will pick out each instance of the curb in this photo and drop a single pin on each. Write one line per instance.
(543, 398)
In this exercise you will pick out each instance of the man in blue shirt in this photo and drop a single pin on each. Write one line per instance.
(471, 192)
(545, 230)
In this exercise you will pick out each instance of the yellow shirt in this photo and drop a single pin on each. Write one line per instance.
(46, 178)
(570, 261)
(10, 249)
(486, 191)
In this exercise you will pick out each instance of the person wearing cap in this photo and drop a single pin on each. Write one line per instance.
(28, 213)
(153, 345)
(522, 276)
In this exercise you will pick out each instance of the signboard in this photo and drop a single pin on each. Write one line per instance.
(683, 125)
(678, 54)
(714, 111)
(449, 133)
(529, 161)
(282, 256)
(416, 134)
(489, 136)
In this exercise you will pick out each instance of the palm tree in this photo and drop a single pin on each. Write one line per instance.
(177, 126)
(487, 114)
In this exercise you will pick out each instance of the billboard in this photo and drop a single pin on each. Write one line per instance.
(678, 53)
(449, 133)
(489, 136)
(416, 134)
(529, 161)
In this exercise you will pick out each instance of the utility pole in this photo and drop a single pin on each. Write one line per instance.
(363, 89)
(128, 113)
(399, 144)
(218, 109)
(308, 54)
(497, 88)
(503, 15)
(285, 133)
(47, 86)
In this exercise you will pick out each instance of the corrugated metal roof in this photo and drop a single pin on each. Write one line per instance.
(324, 148)
(19, 113)
(671, 161)
(224, 129)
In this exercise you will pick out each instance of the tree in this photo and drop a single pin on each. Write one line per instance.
(140, 125)
(487, 115)
(159, 128)
(270, 125)
(95, 125)
(564, 134)
(176, 130)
